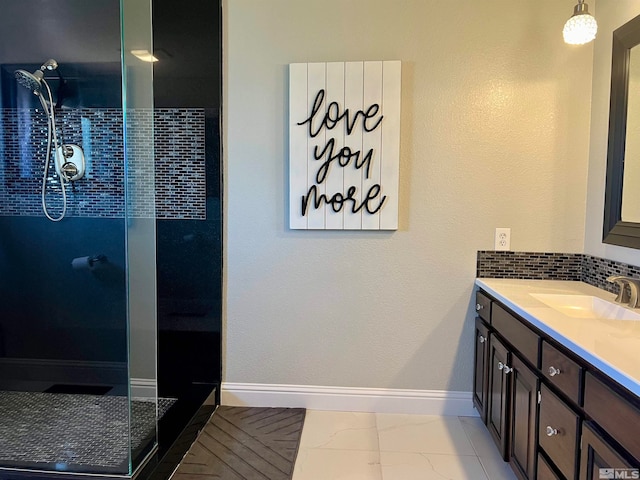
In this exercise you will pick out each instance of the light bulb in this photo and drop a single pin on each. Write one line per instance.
(581, 28)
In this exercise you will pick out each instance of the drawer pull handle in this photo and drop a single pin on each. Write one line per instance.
(482, 339)
(553, 371)
(551, 431)
(504, 368)
(479, 307)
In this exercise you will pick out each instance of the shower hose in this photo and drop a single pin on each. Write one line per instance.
(51, 123)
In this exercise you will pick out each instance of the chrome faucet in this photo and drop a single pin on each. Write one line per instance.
(632, 299)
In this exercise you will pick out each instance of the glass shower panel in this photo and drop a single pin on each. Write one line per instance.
(140, 224)
(77, 267)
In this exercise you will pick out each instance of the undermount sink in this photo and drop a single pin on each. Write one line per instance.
(586, 306)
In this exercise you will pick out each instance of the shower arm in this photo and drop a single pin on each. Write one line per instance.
(62, 83)
(61, 88)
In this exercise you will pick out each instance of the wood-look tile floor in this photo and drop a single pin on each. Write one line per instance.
(241, 443)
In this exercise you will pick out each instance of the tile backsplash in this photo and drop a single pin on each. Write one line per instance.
(552, 266)
(176, 173)
(596, 270)
(529, 265)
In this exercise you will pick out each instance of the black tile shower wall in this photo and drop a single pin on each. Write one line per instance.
(57, 312)
(529, 265)
(553, 266)
(179, 181)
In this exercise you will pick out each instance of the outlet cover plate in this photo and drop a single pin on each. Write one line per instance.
(502, 239)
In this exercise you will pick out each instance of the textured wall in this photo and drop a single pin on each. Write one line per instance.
(611, 14)
(494, 133)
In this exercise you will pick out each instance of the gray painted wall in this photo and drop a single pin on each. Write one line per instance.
(495, 128)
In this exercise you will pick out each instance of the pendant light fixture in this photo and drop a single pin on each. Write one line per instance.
(581, 28)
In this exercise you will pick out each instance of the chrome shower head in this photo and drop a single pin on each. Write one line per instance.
(32, 81)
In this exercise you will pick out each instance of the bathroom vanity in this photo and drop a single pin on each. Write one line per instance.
(557, 378)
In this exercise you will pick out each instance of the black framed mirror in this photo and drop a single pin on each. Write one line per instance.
(622, 194)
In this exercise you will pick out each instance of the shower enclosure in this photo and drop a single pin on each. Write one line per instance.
(78, 388)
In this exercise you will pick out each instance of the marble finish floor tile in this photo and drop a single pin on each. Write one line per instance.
(364, 446)
(427, 466)
(479, 436)
(422, 434)
(485, 448)
(340, 430)
(328, 464)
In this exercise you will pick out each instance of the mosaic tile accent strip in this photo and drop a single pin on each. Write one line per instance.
(529, 265)
(83, 430)
(596, 270)
(140, 178)
(178, 184)
(180, 163)
(553, 266)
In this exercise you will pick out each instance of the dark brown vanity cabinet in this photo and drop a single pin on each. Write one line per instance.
(510, 398)
(481, 370)
(597, 454)
(558, 432)
(551, 414)
(545, 472)
(562, 372)
(524, 402)
(616, 415)
(512, 407)
(498, 394)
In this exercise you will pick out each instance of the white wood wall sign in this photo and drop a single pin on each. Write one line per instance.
(344, 145)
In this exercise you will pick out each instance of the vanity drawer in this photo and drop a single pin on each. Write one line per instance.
(515, 332)
(561, 371)
(613, 413)
(597, 453)
(545, 472)
(483, 306)
(558, 432)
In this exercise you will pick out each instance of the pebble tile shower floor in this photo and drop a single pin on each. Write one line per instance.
(83, 430)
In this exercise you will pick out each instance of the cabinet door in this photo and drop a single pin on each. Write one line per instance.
(558, 433)
(480, 372)
(498, 394)
(599, 458)
(524, 415)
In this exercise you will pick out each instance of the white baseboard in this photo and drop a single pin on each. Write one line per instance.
(379, 400)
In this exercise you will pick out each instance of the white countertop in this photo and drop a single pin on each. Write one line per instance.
(612, 346)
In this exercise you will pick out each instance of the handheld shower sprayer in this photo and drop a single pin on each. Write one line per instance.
(69, 159)
(33, 81)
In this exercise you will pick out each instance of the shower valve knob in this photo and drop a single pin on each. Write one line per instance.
(69, 170)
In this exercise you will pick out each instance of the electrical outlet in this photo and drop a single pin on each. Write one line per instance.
(502, 239)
